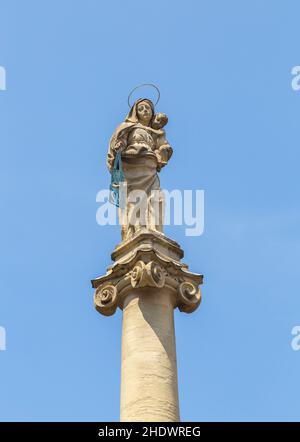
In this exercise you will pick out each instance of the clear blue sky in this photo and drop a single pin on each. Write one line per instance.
(224, 70)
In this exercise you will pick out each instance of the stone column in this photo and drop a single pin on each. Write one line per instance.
(147, 281)
(149, 390)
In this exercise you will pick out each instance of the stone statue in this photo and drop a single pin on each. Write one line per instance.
(141, 140)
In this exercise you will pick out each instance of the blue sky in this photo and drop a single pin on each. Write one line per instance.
(224, 71)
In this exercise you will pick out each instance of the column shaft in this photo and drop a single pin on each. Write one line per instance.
(149, 389)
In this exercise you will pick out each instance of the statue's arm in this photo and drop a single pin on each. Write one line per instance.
(110, 159)
(114, 146)
(163, 152)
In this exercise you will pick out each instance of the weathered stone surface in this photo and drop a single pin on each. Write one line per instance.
(149, 259)
(149, 390)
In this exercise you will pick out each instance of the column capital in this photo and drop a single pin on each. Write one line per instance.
(149, 259)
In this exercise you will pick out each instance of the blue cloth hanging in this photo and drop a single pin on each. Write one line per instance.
(117, 176)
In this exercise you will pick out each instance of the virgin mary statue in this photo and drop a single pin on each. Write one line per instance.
(144, 150)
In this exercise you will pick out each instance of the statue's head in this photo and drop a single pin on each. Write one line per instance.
(159, 120)
(142, 111)
(145, 111)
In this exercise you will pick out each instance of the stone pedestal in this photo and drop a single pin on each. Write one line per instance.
(148, 281)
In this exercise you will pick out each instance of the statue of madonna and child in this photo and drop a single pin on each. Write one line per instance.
(138, 150)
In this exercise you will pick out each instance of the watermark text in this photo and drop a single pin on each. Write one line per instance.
(295, 343)
(2, 339)
(2, 79)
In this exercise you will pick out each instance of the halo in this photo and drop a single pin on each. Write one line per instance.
(141, 85)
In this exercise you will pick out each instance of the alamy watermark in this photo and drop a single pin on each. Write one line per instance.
(161, 207)
(295, 343)
(296, 78)
(2, 339)
(2, 79)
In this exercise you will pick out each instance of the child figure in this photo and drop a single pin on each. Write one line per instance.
(163, 150)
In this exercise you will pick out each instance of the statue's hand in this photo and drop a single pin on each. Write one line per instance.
(119, 145)
(165, 152)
